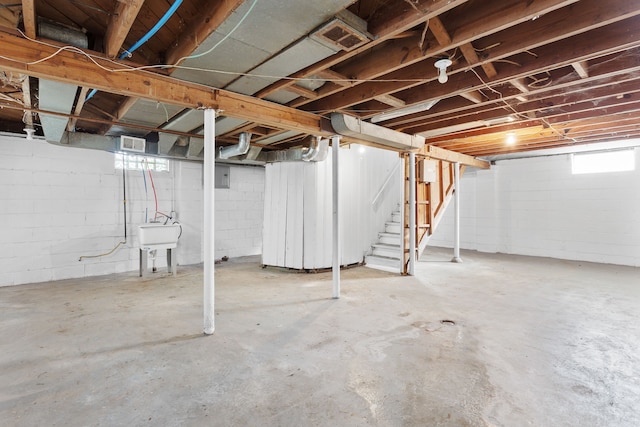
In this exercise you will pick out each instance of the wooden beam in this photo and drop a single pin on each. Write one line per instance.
(71, 125)
(471, 56)
(439, 31)
(433, 152)
(390, 100)
(215, 13)
(582, 68)
(335, 77)
(124, 107)
(594, 92)
(389, 24)
(302, 91)
(605, 73)
(401, 54)
(120, 24)
(29, 18)
(21, 55)
(581, 47)
(187, 42)
(473, 96)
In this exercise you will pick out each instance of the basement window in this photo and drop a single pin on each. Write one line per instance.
(607, 161)
(135, 162)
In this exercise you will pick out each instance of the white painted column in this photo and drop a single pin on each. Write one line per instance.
(412, 214)
(209, 223)
(335, 152)
(403, 211)
(456, 195)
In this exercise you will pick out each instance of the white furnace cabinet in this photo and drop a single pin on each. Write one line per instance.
(298, 208)
(298, 215)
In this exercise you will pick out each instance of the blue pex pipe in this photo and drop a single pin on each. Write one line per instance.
(154, 30)
(168, 14)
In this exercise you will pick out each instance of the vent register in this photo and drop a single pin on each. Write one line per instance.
(132, 144)
(345, 32)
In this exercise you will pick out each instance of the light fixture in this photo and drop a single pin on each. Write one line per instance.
(441, 65)
(499, 121)
(423, 106)
(30, 131)
(511, 138)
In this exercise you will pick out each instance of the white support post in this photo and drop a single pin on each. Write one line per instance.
(456, 194)
(335, 152)
(412, 214)
(209, 223)
(403, 211)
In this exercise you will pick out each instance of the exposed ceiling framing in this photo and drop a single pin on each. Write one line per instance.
(553, 73)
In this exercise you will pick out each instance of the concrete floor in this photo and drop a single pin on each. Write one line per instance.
(535, 342)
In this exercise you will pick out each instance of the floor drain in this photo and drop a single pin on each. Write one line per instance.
(447, 322)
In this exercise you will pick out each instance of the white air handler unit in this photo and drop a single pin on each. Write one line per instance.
(157, 237)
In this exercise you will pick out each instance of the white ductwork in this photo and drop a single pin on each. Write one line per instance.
(56, 96)
(236, 150)
(365, 131)
(317, 151)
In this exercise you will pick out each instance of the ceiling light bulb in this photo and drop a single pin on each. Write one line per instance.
(441, 65)
(442, 76)
(511, 138)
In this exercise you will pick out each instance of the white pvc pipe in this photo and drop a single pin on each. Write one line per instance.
(412, 214)
(335, 150)
(456, 194)
(209, 211)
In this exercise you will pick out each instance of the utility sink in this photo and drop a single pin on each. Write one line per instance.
(158, 236)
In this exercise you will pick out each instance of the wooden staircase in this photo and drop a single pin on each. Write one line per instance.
(434, 191)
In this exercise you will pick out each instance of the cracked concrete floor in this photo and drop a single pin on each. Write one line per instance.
(496, 341)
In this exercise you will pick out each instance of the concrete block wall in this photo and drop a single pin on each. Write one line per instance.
(61, 203)
(240, 212)
(537, 207)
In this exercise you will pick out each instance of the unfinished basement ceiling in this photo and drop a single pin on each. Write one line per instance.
(551, 73)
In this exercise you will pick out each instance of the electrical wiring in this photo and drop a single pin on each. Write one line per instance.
(124, 208)
(199, 55)
(94, 59)
(104, 254)
(517, 113)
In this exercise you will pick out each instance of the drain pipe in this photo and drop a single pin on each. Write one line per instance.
(167, 15)
(239, 149)
(456, 195)
(209, 220)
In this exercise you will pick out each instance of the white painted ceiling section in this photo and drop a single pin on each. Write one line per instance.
(253, 48)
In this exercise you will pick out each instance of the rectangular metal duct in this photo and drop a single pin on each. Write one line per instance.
(353, 126)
